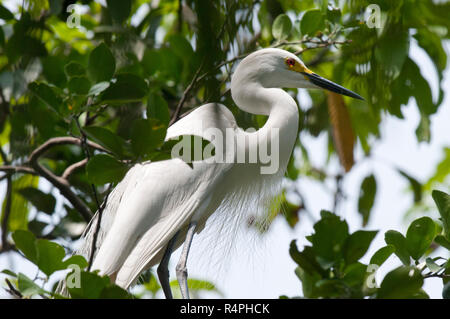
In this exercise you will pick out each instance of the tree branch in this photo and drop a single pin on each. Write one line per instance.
(69, 170)
(64, 188)
(12, 290)
(6, 213)
(61, 141)
(33, 167)
(10, 169)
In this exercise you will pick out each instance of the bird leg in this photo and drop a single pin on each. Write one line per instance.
(181, 266)
(163, 268)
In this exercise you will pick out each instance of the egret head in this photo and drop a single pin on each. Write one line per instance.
(276, 68)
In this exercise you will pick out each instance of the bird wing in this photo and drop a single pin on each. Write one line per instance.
(150, 247)
(156, 200)
(212, 115)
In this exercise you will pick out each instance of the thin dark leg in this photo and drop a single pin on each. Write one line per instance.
(163, 268)
(181, 266)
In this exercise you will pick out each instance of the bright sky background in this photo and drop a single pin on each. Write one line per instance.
(266, 270)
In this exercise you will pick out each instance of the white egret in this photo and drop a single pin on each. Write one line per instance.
(159, 206)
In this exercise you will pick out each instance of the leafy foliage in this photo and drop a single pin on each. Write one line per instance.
(330, 269)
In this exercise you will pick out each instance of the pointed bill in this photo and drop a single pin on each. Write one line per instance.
(330, 86)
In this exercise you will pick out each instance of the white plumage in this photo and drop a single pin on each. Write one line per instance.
(156, 200)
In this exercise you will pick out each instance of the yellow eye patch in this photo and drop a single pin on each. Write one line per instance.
(297, 67)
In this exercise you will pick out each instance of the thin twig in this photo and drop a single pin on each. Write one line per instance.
(8, 203)
(6, 212)
(61, 183)
(33, 167)
(186, 92)
(12, 290)
(10, 169)
(69, 170)
(61, 141)
(83, 140)
(97, 228)
(338, 195)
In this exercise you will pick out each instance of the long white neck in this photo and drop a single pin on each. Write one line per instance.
(281, 109)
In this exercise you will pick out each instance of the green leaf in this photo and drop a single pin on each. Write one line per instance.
(152, 61)
(181, 47)
(419, 88)
(401, 283)
(46, 94)
(157, 108)
(91, 286)
(357, 245)
(355, 274)
(381, 255)
(101, 64)
(419, 236)
(47, 255)
(42, 201)
(76, 260)
(396, 239)
(18, 218)
(5, 14)
(367, 197)
(334, 15)
(106, 138)
(441, 240)
(27, 287)
(74, 69)
(415, 185)
(37, 227)
(432, 266)
(2, 37)
(79, 85)
(99, 88)
(8, 272)
(392, 50)
(305, 259)
(53, 70)
(312, 21)
(292, 171)
(20, 44)
(308, 282)
(103, 168)
(146, 136)
(119, 9)
(432, 44)
(50, 256)
(446, 291)
(114, 292)
(128, 88)
(26, 242)
(441, 170)
(281, 27)
(442, 201)
(423, 131)
(329, 238)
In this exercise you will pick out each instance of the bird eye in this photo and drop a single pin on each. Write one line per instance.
(290, 62)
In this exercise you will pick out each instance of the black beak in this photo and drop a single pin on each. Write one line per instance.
(330, 86)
